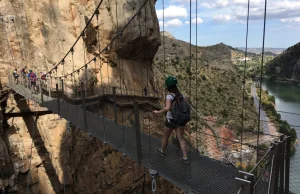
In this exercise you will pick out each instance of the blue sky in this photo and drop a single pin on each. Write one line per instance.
(225, 21)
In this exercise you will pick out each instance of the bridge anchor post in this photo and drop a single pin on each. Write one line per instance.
(115, 105)
(244, 183)
(153, 174)
(62, 89)
(41, 90)
(84, 107)
(137, 131)
(287, 165)
(57, 97)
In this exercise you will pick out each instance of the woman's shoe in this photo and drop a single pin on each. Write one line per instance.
(160, 151)
(185, 160)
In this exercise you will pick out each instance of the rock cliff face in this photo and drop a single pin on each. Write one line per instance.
(45, 152)
(39, 34)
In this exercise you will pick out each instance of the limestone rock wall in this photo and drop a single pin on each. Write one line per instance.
(39, 33)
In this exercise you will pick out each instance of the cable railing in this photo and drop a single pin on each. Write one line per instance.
(207, 142)
(271, 173)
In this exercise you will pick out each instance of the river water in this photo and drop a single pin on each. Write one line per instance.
(288, 100)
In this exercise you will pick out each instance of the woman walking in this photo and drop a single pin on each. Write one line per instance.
(174, 121)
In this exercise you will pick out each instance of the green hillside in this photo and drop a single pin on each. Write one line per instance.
(286, 65)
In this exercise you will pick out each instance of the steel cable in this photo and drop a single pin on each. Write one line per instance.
(87, 24)
(261, 71)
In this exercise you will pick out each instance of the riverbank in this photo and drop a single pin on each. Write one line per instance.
(274, 119)
(287, 98)
(279, 80)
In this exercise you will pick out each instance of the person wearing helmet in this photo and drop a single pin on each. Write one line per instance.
(32, 78)
(16, 76)
(170, 124)
(23, 73)
(43, 77)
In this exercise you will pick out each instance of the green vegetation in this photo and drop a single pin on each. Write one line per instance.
(286, 65)
(268, 102)
(219, 86)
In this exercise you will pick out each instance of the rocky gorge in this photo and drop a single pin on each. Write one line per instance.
(46, 154)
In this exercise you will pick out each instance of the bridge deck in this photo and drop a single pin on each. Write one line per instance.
(202, 175)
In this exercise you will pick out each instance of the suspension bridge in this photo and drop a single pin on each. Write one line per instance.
(202, 175)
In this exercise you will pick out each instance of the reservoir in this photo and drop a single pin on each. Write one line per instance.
(288, 100)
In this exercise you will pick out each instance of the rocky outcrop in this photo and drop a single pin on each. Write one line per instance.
(44, 152)
(42, 32)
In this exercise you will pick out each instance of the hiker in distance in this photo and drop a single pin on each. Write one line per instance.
(178, 114)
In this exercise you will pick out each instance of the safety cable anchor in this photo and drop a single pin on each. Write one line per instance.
(153, 174)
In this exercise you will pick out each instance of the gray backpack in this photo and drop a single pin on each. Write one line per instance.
(180, 111)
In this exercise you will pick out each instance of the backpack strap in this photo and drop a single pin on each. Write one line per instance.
(173, 99)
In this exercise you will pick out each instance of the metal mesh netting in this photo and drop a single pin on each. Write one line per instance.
(295, 158)
(202, 175)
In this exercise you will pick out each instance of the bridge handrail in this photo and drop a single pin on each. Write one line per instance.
(99, 90)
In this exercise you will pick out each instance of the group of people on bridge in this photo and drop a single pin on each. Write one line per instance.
(176, 108)
(28, 77)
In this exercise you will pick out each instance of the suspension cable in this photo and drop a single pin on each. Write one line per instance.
(86, 26)
(261, 73)
(114, 38)
(197, 134)
(244, 83)
(190, 90)
(164, 47)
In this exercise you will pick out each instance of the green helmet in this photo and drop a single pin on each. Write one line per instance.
(171, 81)
(30, 70)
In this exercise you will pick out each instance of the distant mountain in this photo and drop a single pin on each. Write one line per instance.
(219, 86)
(258, 50)
(286, 65)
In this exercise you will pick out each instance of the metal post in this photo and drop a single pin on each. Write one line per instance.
(244, 183)
(137, 131)
(115, 105)
(86, 81)
(274, 178)
(57, 97)
(62, 90)
(287, 165)
(278, 164)
(281, 167)
(49, 86)
(41, 90)
(84, 107)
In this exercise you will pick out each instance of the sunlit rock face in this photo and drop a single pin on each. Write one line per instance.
(47, 154)
(38, 34)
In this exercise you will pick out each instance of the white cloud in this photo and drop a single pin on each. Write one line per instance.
(277, 9)
(172, 23)
(221, 18)
(187, 22)
(181, 1)
(172, 12)
(217, 4)
(291, 20)
(245, 2)
(198, 20)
